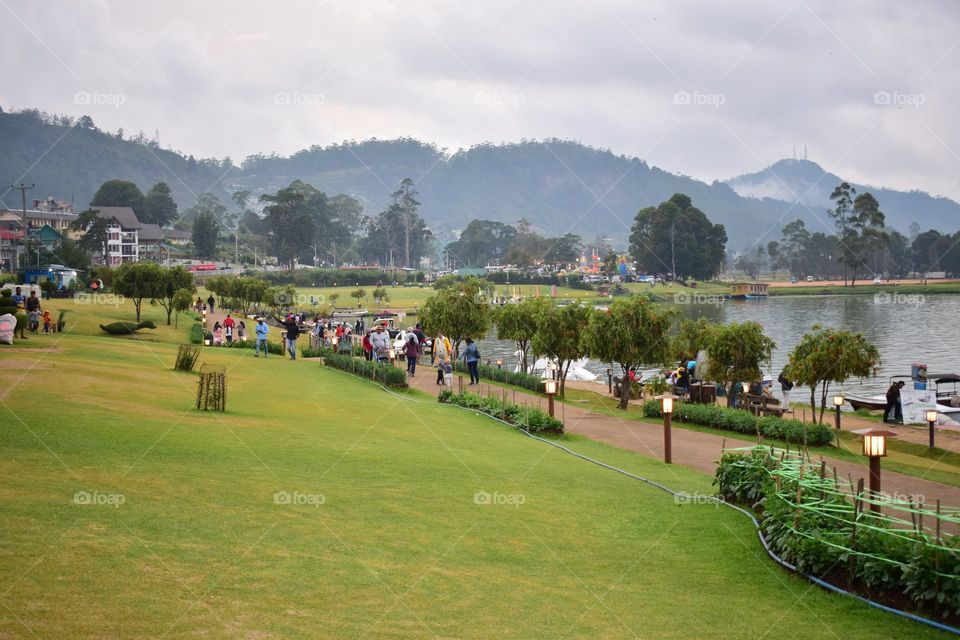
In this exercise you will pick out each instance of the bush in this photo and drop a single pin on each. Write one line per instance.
(196, 333)
(516, 378)
(740, 421)
(340, 277)
(383, 373)
(272, 347)
(530, 419)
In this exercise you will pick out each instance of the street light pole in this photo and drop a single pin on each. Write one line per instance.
(23, 210)
(931, 425)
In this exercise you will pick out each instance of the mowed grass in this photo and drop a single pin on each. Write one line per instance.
(399, 547)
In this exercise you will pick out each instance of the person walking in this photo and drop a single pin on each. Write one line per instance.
(441, 356)
(380, 341)
(421, 340)
(367, 347)
(785, 386)
(210, 302)
(293, 331)
(412, 352)
(241, 331)
(217, 334)
(894, 406)
(261, 329)
(471, 355)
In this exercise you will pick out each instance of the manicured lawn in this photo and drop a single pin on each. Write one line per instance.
(399, 547)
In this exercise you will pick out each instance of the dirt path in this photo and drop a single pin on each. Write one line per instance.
(693, 449)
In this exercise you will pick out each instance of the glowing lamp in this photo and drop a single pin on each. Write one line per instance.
(550, 387)
(838, 401)
(932, 416)
(875, 442)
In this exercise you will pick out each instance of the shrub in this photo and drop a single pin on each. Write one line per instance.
(196, 333)
(530, 419)
(384, 373)
(272, 347)
(515, 378)
(740, 421)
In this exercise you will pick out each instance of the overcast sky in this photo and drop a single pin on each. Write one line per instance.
(706, 89)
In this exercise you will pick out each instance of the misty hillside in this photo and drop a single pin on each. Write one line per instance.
(559, 186)
(790, 180)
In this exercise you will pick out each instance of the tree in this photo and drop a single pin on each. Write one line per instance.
(159, 206)
(866, 232)
(561, 335)
(293, 214)
(182, 300)
(206, 234)
(482, 242)
(358, 294)
(138, 280)
(678, 238)
(71, 254)
(736, 352)
(119, 193)
(459, 311)
(632, 332)
(380, 295)
(842, 197)
(398, 231)
(95, 233)
(518, 322)
(406, 198)
(171, 281)
(691, 338)
(830, 355)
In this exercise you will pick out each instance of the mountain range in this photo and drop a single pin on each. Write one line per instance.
(559, 186)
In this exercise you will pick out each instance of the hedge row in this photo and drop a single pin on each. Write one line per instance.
(888, 564)
(711, 415)
(383, 373)
(528, 418)
(272, 347)
(516, 378)
(340, 277)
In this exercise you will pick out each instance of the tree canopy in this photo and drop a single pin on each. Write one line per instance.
(119, 193)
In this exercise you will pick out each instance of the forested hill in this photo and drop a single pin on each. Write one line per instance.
(69, 160)
(559, 186)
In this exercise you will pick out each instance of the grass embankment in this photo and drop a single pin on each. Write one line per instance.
(321, 506)
(867, 288)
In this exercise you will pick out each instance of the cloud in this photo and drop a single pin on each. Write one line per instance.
(759, 77)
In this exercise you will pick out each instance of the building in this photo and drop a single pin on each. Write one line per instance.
(9, 239)
(59, 221)
(53, 206)
(176, 237)
(123, 234)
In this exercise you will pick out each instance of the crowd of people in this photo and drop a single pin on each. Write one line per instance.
(37, 316)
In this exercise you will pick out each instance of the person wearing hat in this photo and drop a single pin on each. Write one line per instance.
(380, 341)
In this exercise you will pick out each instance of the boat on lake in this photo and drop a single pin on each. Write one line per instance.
(749, 291)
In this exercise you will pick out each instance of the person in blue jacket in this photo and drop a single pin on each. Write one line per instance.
(471, 355)
(262, 330)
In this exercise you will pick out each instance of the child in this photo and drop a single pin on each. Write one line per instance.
(46, 321)
(229, 334)
(34, 320)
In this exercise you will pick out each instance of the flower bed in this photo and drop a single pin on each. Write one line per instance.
(529, 419)
(711, 415)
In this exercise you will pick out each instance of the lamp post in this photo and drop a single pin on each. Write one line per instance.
(837, 403)
(666, 408)
(874, 448)
(550, 387)
(931, 424)
(610, 380)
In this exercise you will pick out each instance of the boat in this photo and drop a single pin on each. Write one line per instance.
(749, 291)
(946, 392)
(872, 403)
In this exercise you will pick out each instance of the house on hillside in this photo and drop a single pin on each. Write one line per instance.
(59, 221)
(123, 234)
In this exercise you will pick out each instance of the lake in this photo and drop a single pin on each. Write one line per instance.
(906, 328)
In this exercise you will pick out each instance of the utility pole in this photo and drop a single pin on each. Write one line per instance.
(26, 247)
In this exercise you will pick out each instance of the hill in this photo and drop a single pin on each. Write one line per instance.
(559, 186)
(808, 183)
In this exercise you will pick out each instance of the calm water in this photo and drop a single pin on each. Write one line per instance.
(905, 329)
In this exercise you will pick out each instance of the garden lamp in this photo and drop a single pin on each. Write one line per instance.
(838, 401)
(666, 408)
(931, 424)
(499, 363)
(875, 447)
(550, 387)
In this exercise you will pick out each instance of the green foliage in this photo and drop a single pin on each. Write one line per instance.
(633, 331)
(337, 277)
(717, 417)
(676, 237)
(126, 328)
(158, 206)
(241, 293)
(186, 358)
(736, 352)
(561, 335)
(359, 294)
(885, 560)
(119, 193)
(139, 280)
(172, 281)
(518, 322)
(692, 336)
(458, 312)
(380, 295)
(385, 374)
(206, 234)
(528, 418)
(397, 234)
(515, 378)
(196, 333)
(95, 232)
(276, 347)
(830, 355)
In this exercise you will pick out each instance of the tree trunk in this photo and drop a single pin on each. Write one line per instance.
(813, 403)
(625, 389)
(136, 305)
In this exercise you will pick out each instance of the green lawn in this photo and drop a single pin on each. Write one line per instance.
(399, 547)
